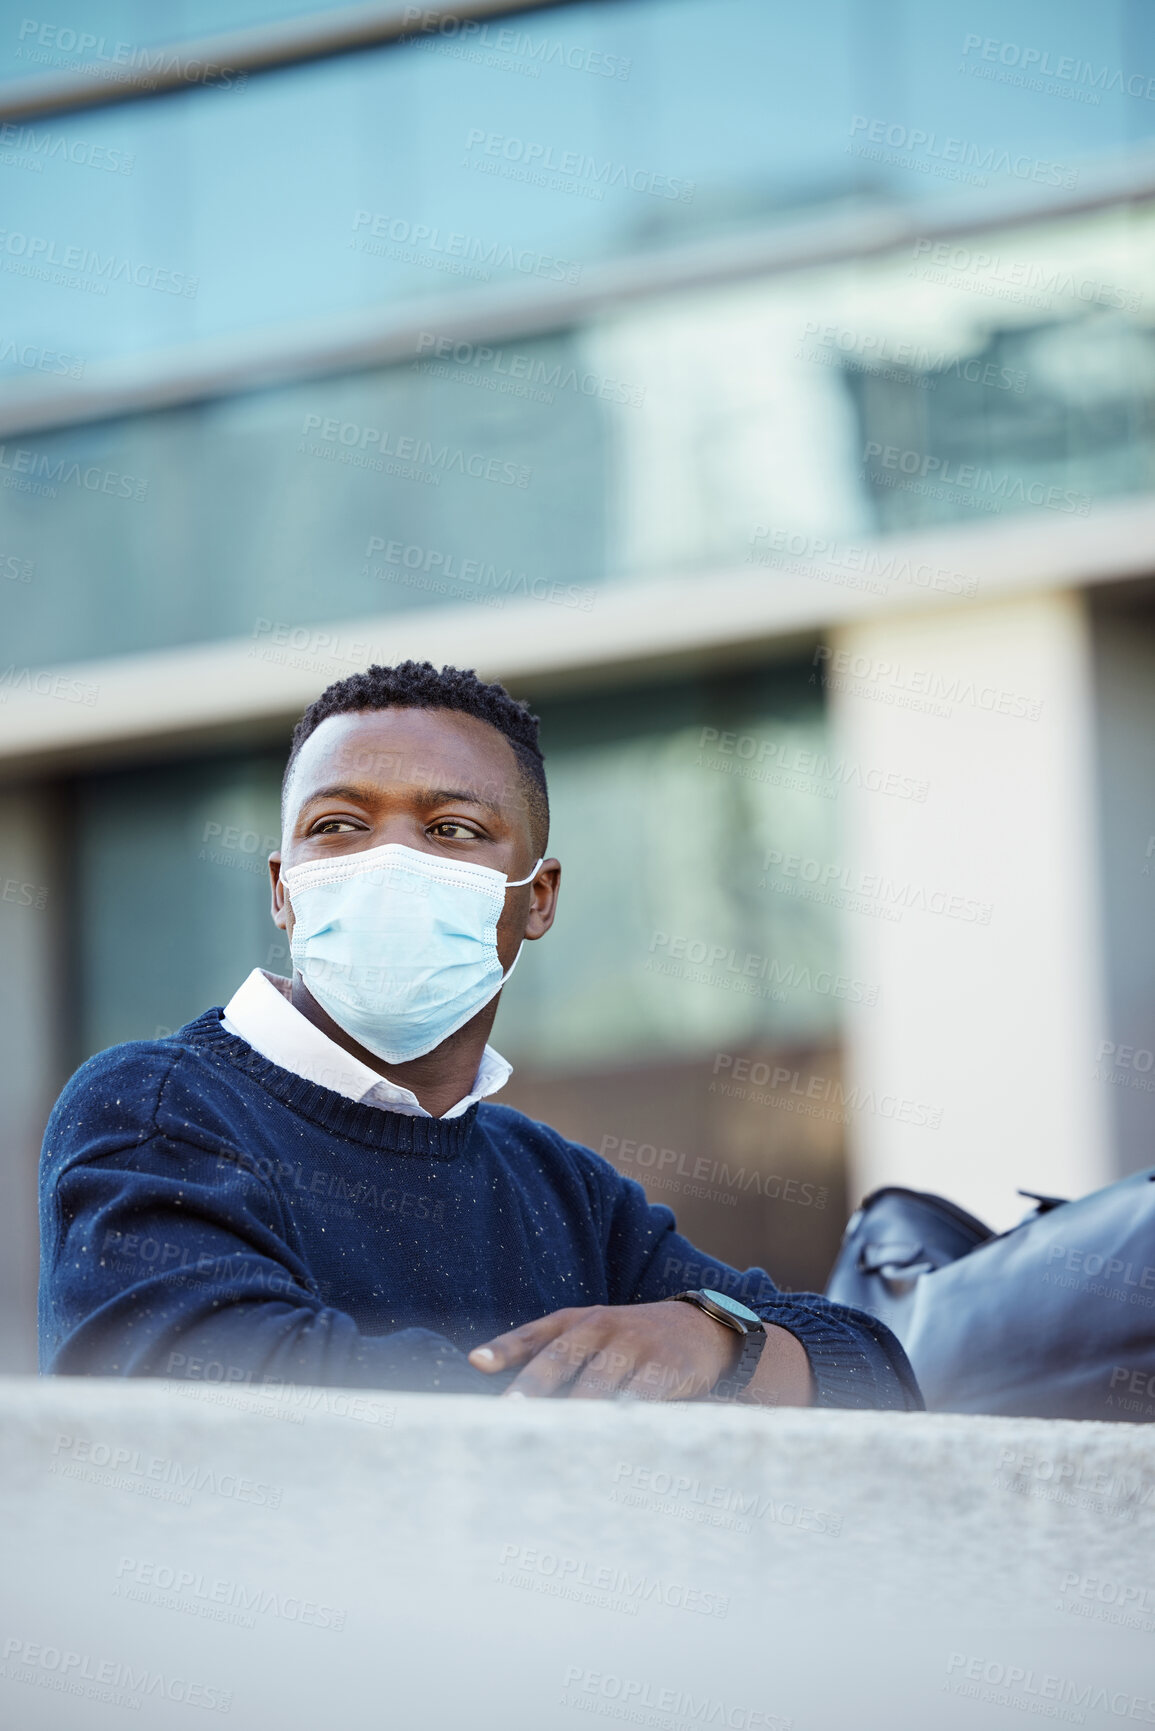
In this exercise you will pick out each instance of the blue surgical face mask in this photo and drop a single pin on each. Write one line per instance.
(400, 947)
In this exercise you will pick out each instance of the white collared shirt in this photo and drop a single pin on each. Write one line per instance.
(261, 1013)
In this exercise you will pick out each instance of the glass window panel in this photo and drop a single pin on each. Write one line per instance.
(675, 932)
(338, 499)
(550, 142)
(172, 893)
(1012, 371)
(952, 381)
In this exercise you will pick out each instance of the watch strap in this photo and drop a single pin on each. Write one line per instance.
(731, 1386)
(753, 1341)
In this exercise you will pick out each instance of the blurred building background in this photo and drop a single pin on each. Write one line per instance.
(767, 393)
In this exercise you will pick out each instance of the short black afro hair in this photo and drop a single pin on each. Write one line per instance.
(418, 685)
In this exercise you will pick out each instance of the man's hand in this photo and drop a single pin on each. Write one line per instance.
(664, 1351)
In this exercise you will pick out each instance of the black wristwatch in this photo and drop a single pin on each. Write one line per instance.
(743, 1321)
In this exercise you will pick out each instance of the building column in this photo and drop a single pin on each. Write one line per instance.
(1125, 712)
(971, 901)
(31, 909)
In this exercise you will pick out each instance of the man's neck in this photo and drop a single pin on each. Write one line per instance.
(439, 1079)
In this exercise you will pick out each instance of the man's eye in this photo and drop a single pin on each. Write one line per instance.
(450, 830)
(332, 826)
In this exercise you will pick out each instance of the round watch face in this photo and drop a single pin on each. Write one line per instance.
(741, 1311)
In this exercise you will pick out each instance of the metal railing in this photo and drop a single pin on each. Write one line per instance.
(158, 69)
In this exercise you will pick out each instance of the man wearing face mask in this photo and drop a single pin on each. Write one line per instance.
(313, 1184)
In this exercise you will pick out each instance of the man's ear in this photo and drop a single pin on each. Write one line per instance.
(280, 907)
(543, 899)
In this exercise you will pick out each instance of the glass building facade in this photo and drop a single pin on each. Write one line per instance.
(500, 325)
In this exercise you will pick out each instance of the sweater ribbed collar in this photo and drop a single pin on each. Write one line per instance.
(391, 1132)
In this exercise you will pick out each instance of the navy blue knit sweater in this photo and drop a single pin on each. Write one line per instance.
(205, 1213)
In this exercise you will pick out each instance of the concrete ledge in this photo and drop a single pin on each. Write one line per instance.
(317, 1558)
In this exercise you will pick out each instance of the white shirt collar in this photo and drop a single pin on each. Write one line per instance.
(261, 1013)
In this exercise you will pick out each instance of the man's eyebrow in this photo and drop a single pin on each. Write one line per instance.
(340, 790)
(458, 795)
(425, 796)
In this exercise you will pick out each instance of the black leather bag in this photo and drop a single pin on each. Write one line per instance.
(1054, 1319)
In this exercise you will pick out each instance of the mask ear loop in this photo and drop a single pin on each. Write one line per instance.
(516, 885)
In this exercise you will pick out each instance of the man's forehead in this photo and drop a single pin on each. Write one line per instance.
(421, 747)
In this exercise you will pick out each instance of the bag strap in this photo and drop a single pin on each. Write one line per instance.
(935, 1204)
(1046, 1203)
(894, 1261)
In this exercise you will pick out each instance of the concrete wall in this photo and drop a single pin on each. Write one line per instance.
(322, 1558)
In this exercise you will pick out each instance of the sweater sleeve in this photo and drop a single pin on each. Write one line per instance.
(855, 1360)
(167, 1259)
